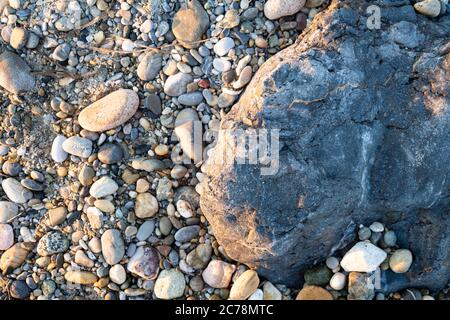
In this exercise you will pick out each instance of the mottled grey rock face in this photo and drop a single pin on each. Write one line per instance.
(364, 134)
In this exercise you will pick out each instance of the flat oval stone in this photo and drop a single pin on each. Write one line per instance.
(186, 234)
(78, 146)
(223, 46)
(58, 154)
(176, 85)
(6, 236)
(103, 187)
(109, 112)
(8, 210)
(32, 185)
(274, 9)
(149, 66)
(15, 75)
(80, 277)
(113, 247)
(145, 230)
(15, 191)
(191, 98)
(11, 168)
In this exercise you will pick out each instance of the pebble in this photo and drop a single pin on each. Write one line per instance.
(189, 24)
(95, 245)
(15, 75)
(109, 112)
(389, 238)
(244, 286)
(86, 175)
(15, 256)
(8, 210)
(51, 243)
(165, 226)
(78, 146)
(176, 85)
(376, 227)
(113, 247)
(271, 292)
(11, 168)
(191, 99)
(170, 284)
(103, 187)
(19, 290)
(218, 274)
(364, 233)
(319, 276)
(144, 263)
(226, 100)
(110, 153)
(31, 184)
(221, 65)
(363, 257)
(61, 52)
(149, 66)
(401, 261)
(57, 216)
(200, 256)
(95, 217)
(429, 8)
(244, 78)
(188, 131)
(332, 263)
(18, 38)
(274, 9)
(83, 260)
(223, 46)
(257, 295)
(117, 274)
(186, 234)
(6, 236)
(178, 171)
(153, 102)
(184, 208)
(15, 191)
(81, 277)
(146, 205)
(314, 293)
(57, 153)
(360, 287)
(338, 281)
(148, 165)
(145, 230)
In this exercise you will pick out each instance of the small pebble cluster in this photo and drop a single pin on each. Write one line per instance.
(98, 99)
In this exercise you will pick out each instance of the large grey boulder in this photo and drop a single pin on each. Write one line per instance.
(364, 136)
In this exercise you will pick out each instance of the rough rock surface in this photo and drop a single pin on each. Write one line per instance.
(364, 126)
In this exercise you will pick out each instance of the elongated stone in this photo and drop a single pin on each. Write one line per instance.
(109, 112)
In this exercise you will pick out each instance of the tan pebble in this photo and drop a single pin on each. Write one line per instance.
(104, 205)
(244, 286)
(142, 185)
(161, 150)
(83, 260)
(109, 112)
(314, 293)
(81, 277)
